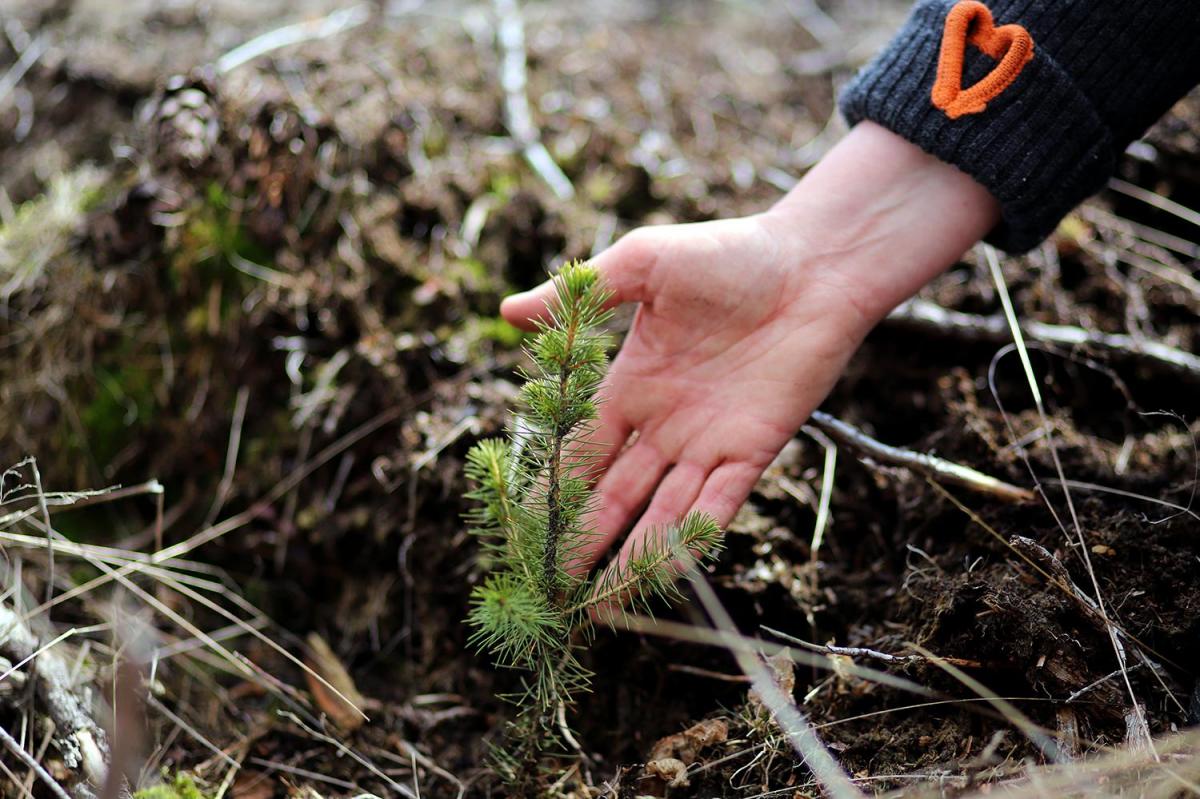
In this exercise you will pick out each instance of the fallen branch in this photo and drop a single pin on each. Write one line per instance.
(79, 738)
(925, 315)
(510, 34)
(920, 462)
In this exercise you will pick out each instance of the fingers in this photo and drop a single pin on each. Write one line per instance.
(524, 309)
(719, 493)
(678, 490)
(674, 496)
(620, 494)
(726, 489)
(595, 447)
(589, 454)
(624, 267)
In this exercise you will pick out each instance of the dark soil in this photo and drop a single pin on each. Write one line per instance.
(322, 237)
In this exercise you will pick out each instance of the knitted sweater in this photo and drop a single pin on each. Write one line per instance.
(1035, 99)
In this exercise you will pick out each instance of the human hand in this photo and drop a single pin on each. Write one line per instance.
(745, 325)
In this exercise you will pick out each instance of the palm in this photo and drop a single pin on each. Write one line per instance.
(725, 360)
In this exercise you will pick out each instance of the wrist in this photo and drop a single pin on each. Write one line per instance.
(878, 218)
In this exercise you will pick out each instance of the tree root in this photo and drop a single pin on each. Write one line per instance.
(920, 462)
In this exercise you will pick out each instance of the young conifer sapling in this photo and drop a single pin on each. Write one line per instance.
(534, 610)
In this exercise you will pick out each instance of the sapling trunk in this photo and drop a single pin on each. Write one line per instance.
(533, 493)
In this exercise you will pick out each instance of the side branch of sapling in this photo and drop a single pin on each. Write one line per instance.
(667, 553)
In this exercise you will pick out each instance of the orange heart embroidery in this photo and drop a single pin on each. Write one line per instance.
(970, 22)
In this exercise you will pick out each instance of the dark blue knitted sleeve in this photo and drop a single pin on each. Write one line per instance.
(1101, 72)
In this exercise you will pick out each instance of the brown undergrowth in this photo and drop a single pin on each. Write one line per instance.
(274, 292)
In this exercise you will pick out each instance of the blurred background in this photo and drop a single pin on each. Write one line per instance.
(251, 256)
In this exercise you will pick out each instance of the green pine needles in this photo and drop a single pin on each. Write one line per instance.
(534, 609)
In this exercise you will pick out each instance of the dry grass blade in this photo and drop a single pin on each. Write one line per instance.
(799, 731)
(191, 731)
(1155, 200)
(73, 500)
(231, 455)
(248, 628)
(826, 498)
(399, 788)
(510, 34)
(172, 582)
(1039, 737)
(1120, 773)
(1081, 485)
(1085, 552)
(338, 22)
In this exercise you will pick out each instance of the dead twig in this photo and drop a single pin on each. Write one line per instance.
(920, 462)
(1097, 683)
(756, 646)
(926, 315)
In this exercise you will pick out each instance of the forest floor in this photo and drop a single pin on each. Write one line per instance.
(257, 288)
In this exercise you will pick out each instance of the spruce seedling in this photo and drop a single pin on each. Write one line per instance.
(533, 611)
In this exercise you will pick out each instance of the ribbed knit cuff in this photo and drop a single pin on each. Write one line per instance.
(1040, 147)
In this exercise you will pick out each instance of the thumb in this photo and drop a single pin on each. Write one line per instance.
(624, 269)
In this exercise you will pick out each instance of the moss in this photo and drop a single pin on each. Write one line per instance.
(600, 187)
(501, 332)
(477, 338)
(504, 185)
(481, 286)
(435, 140)
(123, 398)
(205, 253)
(212, 239)
(181, 786)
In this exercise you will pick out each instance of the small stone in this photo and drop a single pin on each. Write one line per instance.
(670, 770)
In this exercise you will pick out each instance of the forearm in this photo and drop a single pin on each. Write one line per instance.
(878, 218)
(1050, 133)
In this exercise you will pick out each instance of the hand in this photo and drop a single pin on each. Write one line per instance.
(746, 324)
(733, 346)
